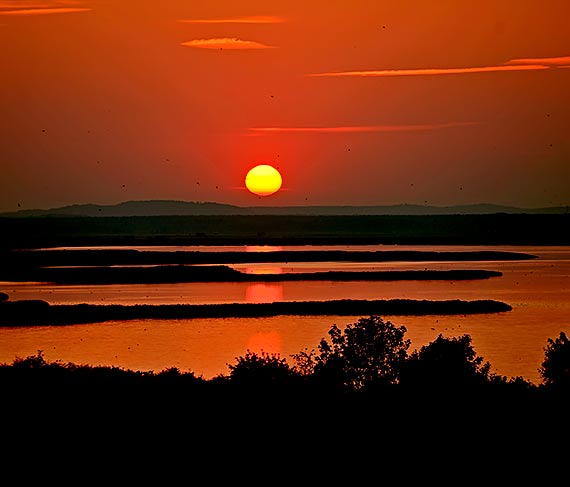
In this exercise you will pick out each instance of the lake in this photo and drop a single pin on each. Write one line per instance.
(513, 342)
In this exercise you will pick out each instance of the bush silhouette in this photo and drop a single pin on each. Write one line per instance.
(446, 362)
(367, 353)
(263, 369)
(555, 369)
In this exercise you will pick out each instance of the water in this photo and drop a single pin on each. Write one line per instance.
(513, 342)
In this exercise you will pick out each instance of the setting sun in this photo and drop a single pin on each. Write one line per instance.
(263, 180)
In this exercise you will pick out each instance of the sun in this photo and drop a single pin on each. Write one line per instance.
(263, 180)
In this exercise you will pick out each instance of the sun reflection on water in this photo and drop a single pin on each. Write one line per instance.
(263, 293)
(265, 342)
(263, 248)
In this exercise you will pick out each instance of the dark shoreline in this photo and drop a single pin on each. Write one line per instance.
(100, 257)
(168, 274)
(41, 313)
(111, 266)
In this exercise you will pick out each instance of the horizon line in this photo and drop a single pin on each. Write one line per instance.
(339, 205)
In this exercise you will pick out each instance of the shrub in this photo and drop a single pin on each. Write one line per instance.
(555, 369)
(446, 362)
(261, 369)
(367, 353)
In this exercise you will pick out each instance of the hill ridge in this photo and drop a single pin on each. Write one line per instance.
(181, 208)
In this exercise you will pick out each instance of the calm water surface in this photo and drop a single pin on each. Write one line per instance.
(513, 342)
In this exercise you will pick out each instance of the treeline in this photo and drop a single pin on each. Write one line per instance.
(482, 229)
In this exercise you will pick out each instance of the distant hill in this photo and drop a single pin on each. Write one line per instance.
(172, 207)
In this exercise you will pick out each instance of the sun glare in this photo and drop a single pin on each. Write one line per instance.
(263, 180)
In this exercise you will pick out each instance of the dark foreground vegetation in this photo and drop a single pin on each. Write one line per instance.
(364, 373)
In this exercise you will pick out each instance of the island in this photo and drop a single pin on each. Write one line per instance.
(38, 312)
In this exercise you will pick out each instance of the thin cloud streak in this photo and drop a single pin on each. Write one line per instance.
(29, 4)
(19, 5)
(363, 128)
(255, 19)
(562, 61)
(44, 11)
(225, 43)
(432, 71)
(522, 64)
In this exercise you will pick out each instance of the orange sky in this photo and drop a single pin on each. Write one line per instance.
(356, 102)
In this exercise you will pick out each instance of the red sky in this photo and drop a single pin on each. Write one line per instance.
(356, 102)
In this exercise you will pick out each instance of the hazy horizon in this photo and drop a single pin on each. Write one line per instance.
(181, 207)
(266, 203)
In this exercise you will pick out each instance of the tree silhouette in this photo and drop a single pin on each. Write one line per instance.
(367, 353)
(446, 362)
(555, 369)
(261, 369)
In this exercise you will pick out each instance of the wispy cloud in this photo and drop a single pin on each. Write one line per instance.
(361, 128)
(526, 64)
(225, 43)
(254, 19)
(48, 7)
(430, 71)
(563, 61)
